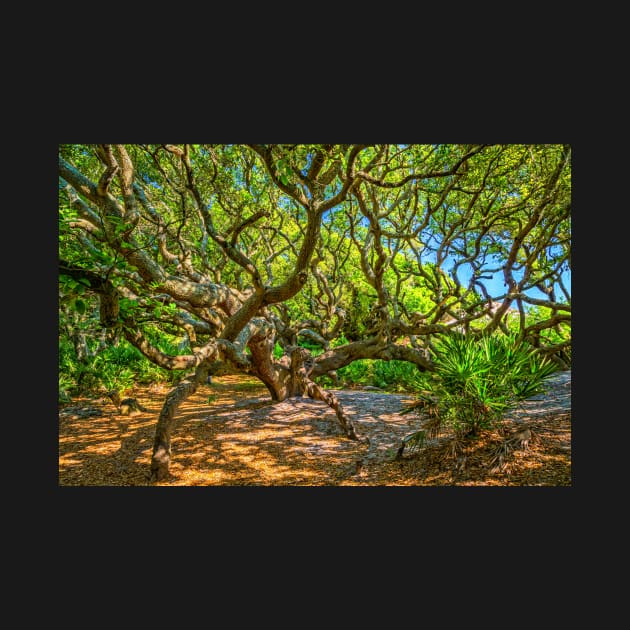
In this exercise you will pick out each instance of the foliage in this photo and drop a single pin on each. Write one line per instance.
(399, 376)
(66, 385)
(112, 367)
(477, 380)
(392, 240)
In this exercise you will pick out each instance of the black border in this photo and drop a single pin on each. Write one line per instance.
(298, 515)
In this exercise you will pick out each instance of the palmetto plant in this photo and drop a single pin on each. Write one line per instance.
(476, 381)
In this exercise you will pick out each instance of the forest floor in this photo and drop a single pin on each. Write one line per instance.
(231, 433)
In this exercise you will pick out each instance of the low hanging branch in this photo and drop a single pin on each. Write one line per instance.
(301, 366)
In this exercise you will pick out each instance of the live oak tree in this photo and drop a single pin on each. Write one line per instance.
(368, 251)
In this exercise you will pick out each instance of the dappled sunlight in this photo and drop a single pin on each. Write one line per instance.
(242, 437)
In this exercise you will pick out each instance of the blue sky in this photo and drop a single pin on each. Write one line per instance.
(496, 286)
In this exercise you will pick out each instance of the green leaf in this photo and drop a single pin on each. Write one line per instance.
(79, 306)
(415, 440)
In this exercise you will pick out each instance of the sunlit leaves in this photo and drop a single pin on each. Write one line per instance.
(505, 209)
(476, 381)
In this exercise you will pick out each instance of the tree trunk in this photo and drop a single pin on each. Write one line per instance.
(81, 349)
(161, 458)
(282, 382)
(289, 377)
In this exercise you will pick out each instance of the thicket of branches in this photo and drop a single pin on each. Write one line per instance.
(209, 258)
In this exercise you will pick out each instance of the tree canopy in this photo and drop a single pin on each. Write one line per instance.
(245, 254)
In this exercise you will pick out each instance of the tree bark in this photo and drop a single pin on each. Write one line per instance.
(161, 457)
(301, 366)
(318, 393)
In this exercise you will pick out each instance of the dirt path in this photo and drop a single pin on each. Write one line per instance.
(231, 433)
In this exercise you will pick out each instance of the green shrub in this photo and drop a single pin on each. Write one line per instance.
(476, 381)
(66, 385)
(359, 372)
(399, 376)
(118, 367)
